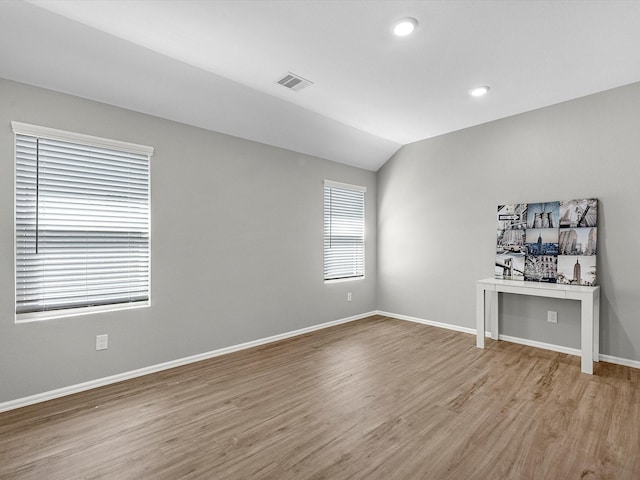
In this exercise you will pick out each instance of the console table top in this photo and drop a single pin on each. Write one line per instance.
(558, 287)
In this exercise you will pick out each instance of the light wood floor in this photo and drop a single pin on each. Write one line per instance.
(374, 399)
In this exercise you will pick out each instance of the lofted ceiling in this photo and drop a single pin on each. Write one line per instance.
(214, 63)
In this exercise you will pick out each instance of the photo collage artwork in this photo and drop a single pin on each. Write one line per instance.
(553, 242)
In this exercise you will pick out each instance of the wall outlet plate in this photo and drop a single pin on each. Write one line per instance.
(552, 317)
(102, 342)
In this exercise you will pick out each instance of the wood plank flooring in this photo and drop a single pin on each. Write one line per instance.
(374, 399)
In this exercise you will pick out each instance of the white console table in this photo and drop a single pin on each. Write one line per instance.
(487, 291)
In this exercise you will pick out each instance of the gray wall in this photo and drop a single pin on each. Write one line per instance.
(236, 248)
(237, 234)
(436, 213)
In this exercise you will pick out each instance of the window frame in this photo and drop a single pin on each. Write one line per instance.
(353, 188)
(89, 141)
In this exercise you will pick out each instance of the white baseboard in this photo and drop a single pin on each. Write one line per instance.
(100, 382)
(544, 346)
(448, 326)
(620, 361)
(571, 351)
(523, 341)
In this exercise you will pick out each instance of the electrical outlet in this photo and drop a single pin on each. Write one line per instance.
(102, 342)
(349, 297)
(552, 317)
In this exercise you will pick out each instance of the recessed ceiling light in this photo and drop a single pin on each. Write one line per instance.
(479, 91)
(404, 27)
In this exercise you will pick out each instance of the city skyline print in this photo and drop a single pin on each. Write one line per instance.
(510, 241)
(579, 213)
(543, 215)
(578, 241)
(541, 268)
(577, 270)
(553, 242)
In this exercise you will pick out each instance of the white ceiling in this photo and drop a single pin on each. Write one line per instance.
(214, 64)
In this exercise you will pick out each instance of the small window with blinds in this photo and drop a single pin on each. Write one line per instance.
(343, 231)
(81, 223)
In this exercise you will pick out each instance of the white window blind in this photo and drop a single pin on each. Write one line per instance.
(343, 231)
(82, 221)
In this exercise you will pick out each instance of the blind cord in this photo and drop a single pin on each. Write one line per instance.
(37, 193)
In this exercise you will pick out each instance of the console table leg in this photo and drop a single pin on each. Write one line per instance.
(596, 326)
(480, 316)
(494, 314)
(587, 336)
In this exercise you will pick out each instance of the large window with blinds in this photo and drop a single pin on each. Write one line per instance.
(343, 231)
(82, 223)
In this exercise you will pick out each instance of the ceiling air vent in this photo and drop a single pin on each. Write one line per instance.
(294, 82)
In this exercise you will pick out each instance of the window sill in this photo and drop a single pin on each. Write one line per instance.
(74, 312)
(340, 280)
